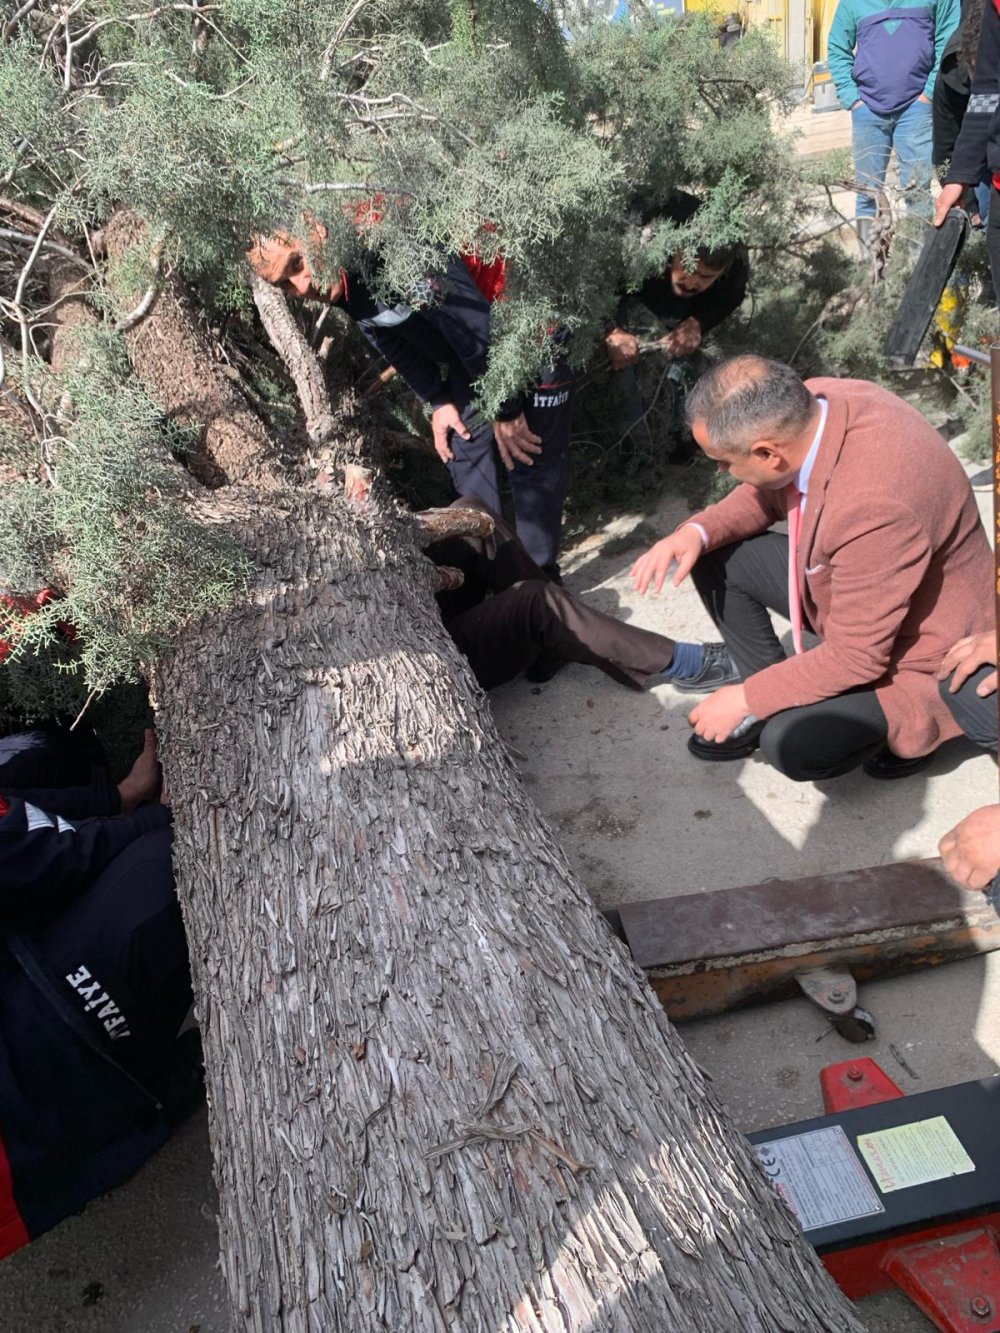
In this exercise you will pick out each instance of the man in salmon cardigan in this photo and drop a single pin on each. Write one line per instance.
(891, 566)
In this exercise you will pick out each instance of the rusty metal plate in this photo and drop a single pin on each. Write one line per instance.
(797, 913)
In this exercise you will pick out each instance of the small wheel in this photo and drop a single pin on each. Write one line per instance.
(857, 1026)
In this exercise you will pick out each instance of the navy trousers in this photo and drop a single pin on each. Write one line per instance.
(539, 489)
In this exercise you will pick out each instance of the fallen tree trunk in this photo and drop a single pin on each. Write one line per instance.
(441, 1094)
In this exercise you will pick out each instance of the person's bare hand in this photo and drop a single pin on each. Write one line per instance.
(718, 716)
(682, 548)
(965, 659)
(971, 850)
(623, 349)
(949, 198)
(685, 339)
(516, 442)
(444, 420)
(139, 784)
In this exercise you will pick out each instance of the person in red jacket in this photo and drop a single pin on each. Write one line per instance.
(451, 329)
(886, 563)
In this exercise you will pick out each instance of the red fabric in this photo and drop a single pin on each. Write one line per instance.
(490, 278)
(28, 606)
(13, 1232)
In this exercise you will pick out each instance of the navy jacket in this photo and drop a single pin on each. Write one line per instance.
(73, 1124)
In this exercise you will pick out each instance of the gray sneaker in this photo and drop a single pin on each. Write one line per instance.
(717, 669)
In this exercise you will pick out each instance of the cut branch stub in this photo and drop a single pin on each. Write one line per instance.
(433, 525)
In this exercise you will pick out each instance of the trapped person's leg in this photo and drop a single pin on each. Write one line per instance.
(507, 633)
(539, 490)
(739, 584)
(826, 739)
(871, 139)
(912, 140)
(489, 564)
(976, 716)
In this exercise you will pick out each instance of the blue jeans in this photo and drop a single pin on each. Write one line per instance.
(874, 135)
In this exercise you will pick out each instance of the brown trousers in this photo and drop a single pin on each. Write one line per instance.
(509, 611)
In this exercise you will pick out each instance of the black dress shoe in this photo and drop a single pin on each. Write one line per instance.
(740, 745)
(885, 765)
(717, 669)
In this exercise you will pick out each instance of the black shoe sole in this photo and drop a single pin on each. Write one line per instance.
(902, 768)
(721, 752)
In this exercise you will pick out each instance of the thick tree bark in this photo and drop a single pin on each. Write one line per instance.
(235, 444)
(441, 1094)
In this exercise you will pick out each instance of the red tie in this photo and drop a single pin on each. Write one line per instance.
(794, 600)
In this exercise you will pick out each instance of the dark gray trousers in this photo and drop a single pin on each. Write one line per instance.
(740, 585)
(977, 717)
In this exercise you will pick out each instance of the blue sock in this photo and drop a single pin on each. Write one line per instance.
(687, 660)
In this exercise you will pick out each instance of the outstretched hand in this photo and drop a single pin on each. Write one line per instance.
(682, 548)
(965, 659)
(949, 198)
(971, 850)
(516, 442)
(444, 420)
(143, 778)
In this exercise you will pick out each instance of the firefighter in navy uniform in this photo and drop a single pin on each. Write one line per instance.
(94, 981)
(450, 329)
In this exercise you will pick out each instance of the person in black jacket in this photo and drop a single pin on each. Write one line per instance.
(94, 982)
(690, 302)
(951, 96)
(976, 154)
(450, 330)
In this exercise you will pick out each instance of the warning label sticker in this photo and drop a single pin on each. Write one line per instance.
(820, 1177)
(914, 1154)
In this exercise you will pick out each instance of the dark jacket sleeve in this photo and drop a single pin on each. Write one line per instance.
(43, 858)
(723, 297)
(421, 373)
(99, 797)
(969, 156)
(460, 317)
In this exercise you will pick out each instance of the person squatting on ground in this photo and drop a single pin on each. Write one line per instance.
(508, 613)
(884, 58)
(94, 982)
(692, 301)
(976, 155)
(890, 566)
(452, 329)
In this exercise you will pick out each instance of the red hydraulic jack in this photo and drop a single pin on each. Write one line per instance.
(896, 1190)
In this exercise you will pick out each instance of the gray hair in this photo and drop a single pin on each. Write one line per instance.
(748, 398)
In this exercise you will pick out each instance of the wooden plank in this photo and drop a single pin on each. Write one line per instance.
(708, 952)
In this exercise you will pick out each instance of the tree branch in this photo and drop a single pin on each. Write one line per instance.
(301, 361)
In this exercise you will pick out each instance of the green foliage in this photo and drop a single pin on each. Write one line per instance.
(109, 534)
(412, 129)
